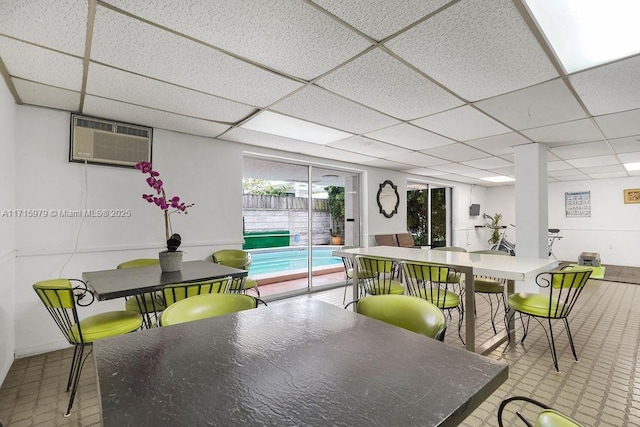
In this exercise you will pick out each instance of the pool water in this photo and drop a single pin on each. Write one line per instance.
(281, 261)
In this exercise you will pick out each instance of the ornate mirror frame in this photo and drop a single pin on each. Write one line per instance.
(388, 199)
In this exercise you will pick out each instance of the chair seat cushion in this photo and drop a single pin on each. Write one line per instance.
(150, 306)
(251, 282)
(488, 286)
(535, 305)
(106, 325)
(361, 274)
(396, 288)
(552, 418)
(442, 299)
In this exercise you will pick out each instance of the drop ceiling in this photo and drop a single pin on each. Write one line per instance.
(435, 88)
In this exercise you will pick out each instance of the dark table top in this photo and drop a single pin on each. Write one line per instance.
(294, 363)
(117, 283)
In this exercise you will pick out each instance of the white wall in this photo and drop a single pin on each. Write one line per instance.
(613, 230)
(7, 229)
(199, 170)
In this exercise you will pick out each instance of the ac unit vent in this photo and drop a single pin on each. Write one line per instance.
(109, 143)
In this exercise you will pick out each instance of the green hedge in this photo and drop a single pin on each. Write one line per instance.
(266, 239)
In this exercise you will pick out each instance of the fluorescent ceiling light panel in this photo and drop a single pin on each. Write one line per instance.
(281, 125)
(585, 33)
(632, 166)
(498, 179)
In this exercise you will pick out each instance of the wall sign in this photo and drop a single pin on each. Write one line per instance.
(577, 204)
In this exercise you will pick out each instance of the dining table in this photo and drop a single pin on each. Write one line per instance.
(510, 268)
(298, 362)
(140, 281)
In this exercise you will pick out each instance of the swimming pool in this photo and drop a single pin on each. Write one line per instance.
(282, 260)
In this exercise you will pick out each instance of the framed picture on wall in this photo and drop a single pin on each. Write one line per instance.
(632, 195)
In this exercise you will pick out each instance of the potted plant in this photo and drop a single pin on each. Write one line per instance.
(495, 231)
(336, 211)
(171, 259)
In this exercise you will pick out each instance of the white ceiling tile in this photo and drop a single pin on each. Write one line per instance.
(380, 18)
(544, 104)
(558, 165)
(132, 88)
(577, 151)
(454, 168)
(134, 46)
(509, 157)
(499, 144)
(47, 96)
(626, 145)
(603, 169)
(382, 82)
(462, 124)
(579, 177)
(127, 113)
(417, 159)
(336, 154)
(289, 36)
(565, 172)
(60, 24)
(369, 147)
(565, 133)
(386, 164)
(610, 88)
(322, 107)
(552, 157)
(478, 174)
(488, 163)
(620, 125)
(464, 36)
(606, 175)
(408, 136)
(630, 157)
(593, 161)
(41, 65)
(466, 180)
(261, 139)
(424, 172)
(456, 152)
(510, 171)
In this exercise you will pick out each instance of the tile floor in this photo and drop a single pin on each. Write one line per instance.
(602, 389)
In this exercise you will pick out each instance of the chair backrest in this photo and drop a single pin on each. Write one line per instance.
(204, 306)
(179, 291)
(139, 262)
(386, 240)
(564, 289)
(236, 258)
(450, 249)
(431, 282)
(546, 416)
(59, 300)
(405, 240)
(376, 275)
(406, 312)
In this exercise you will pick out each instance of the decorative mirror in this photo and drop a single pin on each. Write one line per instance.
(388, 199)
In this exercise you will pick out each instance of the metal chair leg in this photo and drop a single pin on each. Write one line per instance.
(573, 349)
(76, 368)
(553, 347)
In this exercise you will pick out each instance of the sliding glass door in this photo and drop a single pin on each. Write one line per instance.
(429, 214)
(294, 216)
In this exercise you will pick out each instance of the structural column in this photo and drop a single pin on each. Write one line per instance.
(532, 201)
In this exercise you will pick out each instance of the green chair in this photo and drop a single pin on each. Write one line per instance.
(347, 262)
(547, 417)
(152, 301)
(237, 258)
(204, 306)
(179, 291)
(61, 299)
(377, 275)
(454, 278)
(489, 287)
(562, 290)
(404, 311)
(431, 283)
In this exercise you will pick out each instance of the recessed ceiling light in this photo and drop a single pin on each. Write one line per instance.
(281, 125)
(632, 166)
(500, 178)
(585, 33)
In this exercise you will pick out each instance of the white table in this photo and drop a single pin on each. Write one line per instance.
(510, 268)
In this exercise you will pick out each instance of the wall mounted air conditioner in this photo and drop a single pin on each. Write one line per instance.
(108, 143)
